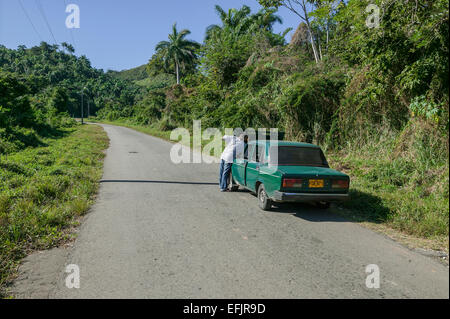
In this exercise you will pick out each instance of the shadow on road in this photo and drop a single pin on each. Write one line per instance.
(308, 212)
(361, 207)
(155, 182)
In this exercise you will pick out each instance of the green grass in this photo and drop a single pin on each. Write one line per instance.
(398, 191)
(407, 193)
(44, 190)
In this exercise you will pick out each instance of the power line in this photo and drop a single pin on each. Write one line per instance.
(41, 9)
(29, 19)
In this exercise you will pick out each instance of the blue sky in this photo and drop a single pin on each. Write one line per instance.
(115, 34)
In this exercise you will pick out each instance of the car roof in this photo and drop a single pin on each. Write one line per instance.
(284, 143)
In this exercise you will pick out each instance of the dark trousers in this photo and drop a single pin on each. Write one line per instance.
(224, 174)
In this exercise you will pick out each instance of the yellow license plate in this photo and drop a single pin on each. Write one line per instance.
(316, 183)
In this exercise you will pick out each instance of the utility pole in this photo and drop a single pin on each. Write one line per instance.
(82, 107)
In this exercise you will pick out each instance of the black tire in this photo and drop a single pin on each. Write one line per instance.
(234, 188)
(264, 201)
(323, 205)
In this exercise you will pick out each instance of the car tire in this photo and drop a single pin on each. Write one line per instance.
(263, 200)
(234, 188)
(323, 205)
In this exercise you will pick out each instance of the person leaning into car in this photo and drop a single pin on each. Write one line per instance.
(235, 146)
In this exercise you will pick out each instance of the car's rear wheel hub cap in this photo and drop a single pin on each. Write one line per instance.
(262, 196)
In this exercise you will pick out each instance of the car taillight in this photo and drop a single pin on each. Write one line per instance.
(340, 183)
(292, 182)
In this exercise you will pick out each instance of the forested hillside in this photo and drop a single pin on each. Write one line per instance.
(41, 89)
(376, 98)
(134, 74)
(366, 79)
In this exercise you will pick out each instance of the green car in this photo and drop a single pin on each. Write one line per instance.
(281, 171)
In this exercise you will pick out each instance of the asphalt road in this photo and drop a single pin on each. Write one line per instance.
(161, 230)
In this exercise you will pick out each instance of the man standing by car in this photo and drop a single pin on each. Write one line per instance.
(235, 146)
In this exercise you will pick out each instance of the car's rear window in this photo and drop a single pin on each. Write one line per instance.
(298, 156)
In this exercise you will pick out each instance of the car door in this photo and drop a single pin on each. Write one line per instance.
(238, 169)
(252, 170)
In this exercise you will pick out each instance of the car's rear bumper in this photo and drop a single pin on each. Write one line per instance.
(309, 197)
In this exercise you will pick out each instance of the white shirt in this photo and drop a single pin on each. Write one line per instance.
(233, 145)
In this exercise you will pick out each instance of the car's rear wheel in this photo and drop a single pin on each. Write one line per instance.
(263, 200)
(323, 205)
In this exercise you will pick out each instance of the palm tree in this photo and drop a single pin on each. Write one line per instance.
(68, 47)
(266, 19)
(232, 19)
(240, 20)
(178, 49)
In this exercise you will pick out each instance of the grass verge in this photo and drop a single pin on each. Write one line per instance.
(408, 203)
(399, 197)
(44, 191)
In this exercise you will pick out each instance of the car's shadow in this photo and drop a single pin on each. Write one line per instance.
(308, 212)
(361, 207)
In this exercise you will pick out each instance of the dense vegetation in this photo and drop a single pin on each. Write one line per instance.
(41, 89)
(134, 74)
(375, 98)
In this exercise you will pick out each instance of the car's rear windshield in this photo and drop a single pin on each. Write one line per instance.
(298, 156)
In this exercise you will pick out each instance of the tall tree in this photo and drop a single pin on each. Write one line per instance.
(178, 49)
(68, 47)
(266, 18)
(240, 20)
(299, 7)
